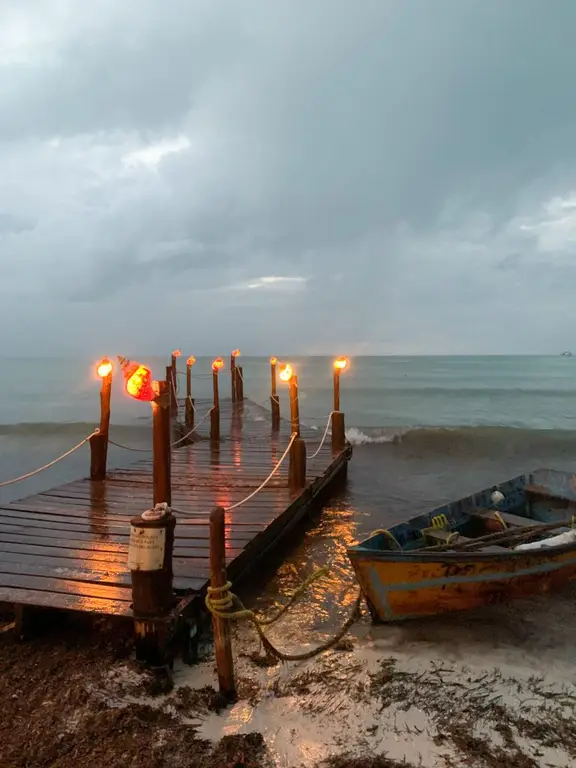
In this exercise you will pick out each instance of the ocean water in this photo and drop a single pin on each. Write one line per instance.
(425, 429)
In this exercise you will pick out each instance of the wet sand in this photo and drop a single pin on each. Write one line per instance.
(494, 688)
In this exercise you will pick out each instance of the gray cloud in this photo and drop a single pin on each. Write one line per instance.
(410, 161)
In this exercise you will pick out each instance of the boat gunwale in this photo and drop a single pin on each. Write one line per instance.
(361, 552)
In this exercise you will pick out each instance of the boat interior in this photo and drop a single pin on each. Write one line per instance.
(528, 511)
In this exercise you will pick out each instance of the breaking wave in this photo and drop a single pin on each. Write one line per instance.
(466, 440)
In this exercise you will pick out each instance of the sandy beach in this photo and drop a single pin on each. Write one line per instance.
(493, 688)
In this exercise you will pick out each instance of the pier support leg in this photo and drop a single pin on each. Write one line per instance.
(297, 471)
(338, 432)
(222, 636)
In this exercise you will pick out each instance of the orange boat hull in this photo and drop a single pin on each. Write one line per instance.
(400, 586)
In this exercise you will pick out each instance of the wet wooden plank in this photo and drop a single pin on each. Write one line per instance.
(97, 569)
(181, 548)
(94, 523)
(65, 601)
(66, 586)
(119, 533)
(79, 572)
(67, 546)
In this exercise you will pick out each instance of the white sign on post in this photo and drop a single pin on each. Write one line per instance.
(146, 550)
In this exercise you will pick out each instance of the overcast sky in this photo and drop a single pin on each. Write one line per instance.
(377, 176)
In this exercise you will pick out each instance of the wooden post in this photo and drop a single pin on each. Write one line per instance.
(233, 376)
(239, 383)
(294, 406)
(99, 442)
(150, 564)
(215, 412)
(273, 363)
(189, 401)
(161, 474)
(275, 407)
(297, 470)
(171, 379)
(222, 636)
(336, 390)
(274, 399)
(338, 432)
(338, 428)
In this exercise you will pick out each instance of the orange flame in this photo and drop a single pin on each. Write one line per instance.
(176, 353)
(139, 384)
(286, 372)
(273, 360)
(104, 368)
(235, 353)
(341, 363)
(191, 360)
(217, 365)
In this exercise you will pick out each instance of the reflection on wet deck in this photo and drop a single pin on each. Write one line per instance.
(67, 547)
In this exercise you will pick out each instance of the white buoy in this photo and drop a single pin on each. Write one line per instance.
(497, 497)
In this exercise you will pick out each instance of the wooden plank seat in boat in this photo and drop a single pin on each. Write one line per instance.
(513, 521)
(441, 536)
(540, 490)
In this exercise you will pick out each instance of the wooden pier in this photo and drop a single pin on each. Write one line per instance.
(66, 548)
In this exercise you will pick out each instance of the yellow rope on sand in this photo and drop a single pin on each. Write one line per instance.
(224, 604)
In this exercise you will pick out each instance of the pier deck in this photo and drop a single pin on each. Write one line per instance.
(66, 547)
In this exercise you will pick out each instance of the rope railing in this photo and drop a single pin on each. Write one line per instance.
(195, 375)
(270, 476)
(129, 447)
(50, 463)
(181, 439)
(328, 423)
(254, 492)
(172, 445)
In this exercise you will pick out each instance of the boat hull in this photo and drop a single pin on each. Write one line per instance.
(399, 586)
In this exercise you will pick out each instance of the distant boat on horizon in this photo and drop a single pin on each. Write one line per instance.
(566, 354)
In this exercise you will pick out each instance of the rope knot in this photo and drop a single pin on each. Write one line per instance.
(221, 604)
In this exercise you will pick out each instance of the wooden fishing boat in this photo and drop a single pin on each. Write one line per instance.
(514, 540)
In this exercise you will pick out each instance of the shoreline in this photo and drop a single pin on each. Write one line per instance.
(493, 688)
